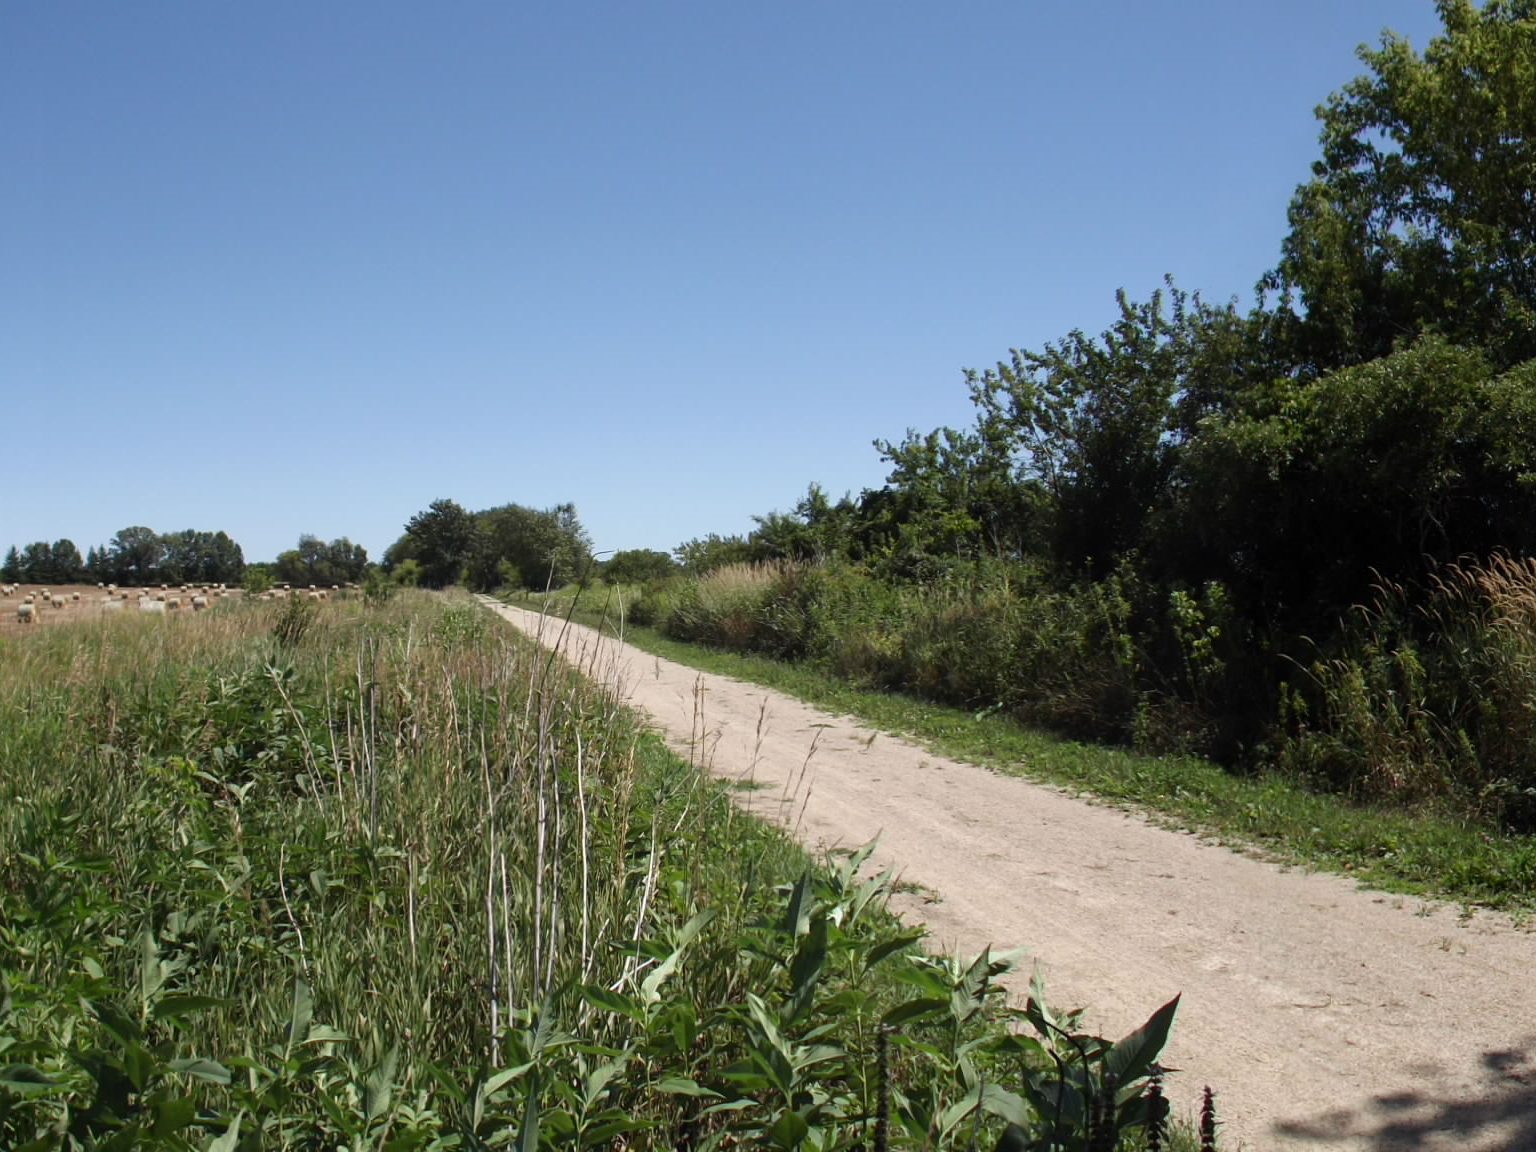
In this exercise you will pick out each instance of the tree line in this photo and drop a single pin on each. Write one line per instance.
(1241, 501)
(136, 556)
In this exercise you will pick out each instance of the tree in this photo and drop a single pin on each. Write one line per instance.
(537, 549)
(1092, 422)
(705, 554)
(638, 566)
(11, 569)
(1421, 213)
(36, 564)
(68, 564)
(443, 537)
(134, 556)
(316, 562)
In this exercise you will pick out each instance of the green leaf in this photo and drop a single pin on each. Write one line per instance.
(301, 1011)
(1133, 1056)
(172, 1115)
(599, 1078)
(207, 1070)
(789, 1130)
(528, 1135)
(911, 1010)
(112, 1017)
(174, 1007)
(1007, 1106)
(682, 1086)
(24, 1080)
(380, 1086)
(805, 971)
(890, 947)
(230, 1138)
(499, 1081)
(797, 913)
(1014, 1139)
(608, 1000)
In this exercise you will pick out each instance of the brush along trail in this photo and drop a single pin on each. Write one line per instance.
(1324, 1016)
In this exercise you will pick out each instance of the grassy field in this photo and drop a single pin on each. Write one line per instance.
(1426, 853)
(302, 875)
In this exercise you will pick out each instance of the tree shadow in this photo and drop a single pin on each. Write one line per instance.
(1500, 1114)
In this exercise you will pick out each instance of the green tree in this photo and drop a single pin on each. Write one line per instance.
(538, 549)
(1092, 423)
(134, 556)
(706, 553)
(68, 564)
(37, 565)
(443, 537)
(1419, 213)
(638, 566)
(11, 569)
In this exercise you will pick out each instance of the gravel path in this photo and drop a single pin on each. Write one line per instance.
(1325, 1017)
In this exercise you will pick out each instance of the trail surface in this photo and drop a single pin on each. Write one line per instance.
(1326, 1017)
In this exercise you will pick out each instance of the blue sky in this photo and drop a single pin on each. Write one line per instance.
(287, 268)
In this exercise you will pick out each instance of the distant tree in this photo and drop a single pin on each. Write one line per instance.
(134, 556)
(638, 566)
(68, 564)
(11, 569)
(37, 565)
(536, 548)
(201, 558)
(405, 548)
(705, 554)
(443, 537)
(316, 562)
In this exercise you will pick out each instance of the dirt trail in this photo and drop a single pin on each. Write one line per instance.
(1326, 1017)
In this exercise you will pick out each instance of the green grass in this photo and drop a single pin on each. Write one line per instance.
(388, 876)
(1424, 854)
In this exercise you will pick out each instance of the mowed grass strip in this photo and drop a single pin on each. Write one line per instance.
(1427, 854)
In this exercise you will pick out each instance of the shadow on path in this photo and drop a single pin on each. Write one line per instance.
(1499, 1116)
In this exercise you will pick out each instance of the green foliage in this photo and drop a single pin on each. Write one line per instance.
(321, 564)
(704, 554)
(257, 578)
(442, 538)
(1300, 497)
(1432, 699)
(244, 905)
(638, 566)
(516, 546)
(1417, 217)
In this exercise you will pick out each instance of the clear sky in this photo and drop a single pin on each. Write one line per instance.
(280, 268)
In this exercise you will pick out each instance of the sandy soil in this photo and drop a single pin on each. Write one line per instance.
(1326, 1017)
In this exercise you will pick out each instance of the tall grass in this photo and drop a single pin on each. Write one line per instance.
(395, 879)
(1433, 697)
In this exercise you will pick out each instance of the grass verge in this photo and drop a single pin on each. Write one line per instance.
(1425, 854)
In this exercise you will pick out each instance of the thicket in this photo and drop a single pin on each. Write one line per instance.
(1290, 535)
(379, 875)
